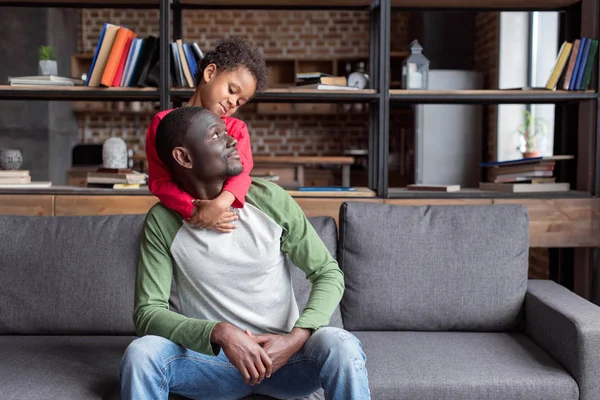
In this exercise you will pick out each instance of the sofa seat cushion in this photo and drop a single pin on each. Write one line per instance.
(465, 366)
(68, 367)
(61, 367)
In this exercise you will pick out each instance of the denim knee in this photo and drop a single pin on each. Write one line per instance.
(342, 346)
(143, 352)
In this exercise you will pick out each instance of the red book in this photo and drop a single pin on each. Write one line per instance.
(121, 67)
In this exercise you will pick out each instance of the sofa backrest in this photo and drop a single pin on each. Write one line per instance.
(76, 275)
(68, 275)
(433, 268)
(327, 230)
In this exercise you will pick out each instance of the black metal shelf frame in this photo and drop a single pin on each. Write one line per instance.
(379, 45)
(379, 102)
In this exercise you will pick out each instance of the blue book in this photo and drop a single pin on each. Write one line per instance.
(573, 82)
(526, 160)
(87, 81)
(581, 70)
(189, 56)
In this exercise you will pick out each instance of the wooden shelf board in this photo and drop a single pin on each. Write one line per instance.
(485, 4)
(76, 93)
(475, 193)
(293, 4)
(303, 160)
(84, 3)
(490, 96)
(293, 95)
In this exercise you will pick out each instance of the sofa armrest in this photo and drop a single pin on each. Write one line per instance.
(568, 327)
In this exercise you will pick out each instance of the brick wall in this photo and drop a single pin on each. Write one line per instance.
(280, 34)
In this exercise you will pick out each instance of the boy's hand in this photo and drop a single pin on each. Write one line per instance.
(214, 214)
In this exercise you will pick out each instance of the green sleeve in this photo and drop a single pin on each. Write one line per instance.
(151, 314)
(306, 249)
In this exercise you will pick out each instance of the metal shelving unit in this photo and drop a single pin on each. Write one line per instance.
(579, 17)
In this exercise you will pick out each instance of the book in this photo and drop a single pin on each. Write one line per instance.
(561, 61)
(311, 75)
(325, 80)
(320, 86)
(115, 55)
(103, 52)
(14, 173)
(433, 188)
(587, 75)
(524, 187)
(121, 68)
(191, 60)
(566, 78)
(584, 58)
(526, 160)
(43, 80)
(184, 65)
(31, 185)
(573, 82)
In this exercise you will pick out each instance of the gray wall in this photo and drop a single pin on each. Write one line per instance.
(44, 131)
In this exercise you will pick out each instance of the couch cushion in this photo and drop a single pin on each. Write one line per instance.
(327, 231)
(69, 367)
(433, 267)
(68, 275)
(465, 366)
(61, 367)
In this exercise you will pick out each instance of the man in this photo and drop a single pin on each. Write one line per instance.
(239, 331)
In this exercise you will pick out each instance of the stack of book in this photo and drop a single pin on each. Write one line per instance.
(111, 178)
(121, 59)
(525, 175)
(573, 67)
(322, 81)
(43, 80)
(19, 179)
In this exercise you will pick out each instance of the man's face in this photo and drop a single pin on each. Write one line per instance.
(226, 91)
(212, 150)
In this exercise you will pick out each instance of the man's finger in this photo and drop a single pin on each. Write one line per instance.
(254, 375)
(267, 363)
(245, 374)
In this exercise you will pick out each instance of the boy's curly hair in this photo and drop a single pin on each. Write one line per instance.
(233, 53)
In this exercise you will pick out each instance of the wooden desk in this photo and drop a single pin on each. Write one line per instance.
(301, 161)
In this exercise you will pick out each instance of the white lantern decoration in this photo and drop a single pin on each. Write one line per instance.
(415, 68)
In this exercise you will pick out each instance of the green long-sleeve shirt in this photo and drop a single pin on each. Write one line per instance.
(240, 277)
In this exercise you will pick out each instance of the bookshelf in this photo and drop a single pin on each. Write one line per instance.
(576, 108)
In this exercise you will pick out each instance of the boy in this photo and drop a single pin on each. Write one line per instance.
(228, 76)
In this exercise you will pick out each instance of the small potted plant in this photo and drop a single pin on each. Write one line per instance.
(531, 129)
(47, 62)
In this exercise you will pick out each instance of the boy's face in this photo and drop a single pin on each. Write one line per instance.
(225, 91)
(212, 150)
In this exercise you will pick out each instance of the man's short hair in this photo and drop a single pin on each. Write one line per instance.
(172, 132)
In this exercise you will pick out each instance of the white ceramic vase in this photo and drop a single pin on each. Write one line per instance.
(10, 159)
(114, 153)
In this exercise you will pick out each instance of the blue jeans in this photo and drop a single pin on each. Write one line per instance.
(332, 358)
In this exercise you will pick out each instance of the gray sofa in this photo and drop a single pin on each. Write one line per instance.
(439, 297)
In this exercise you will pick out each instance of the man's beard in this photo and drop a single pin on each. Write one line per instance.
(234, 169)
